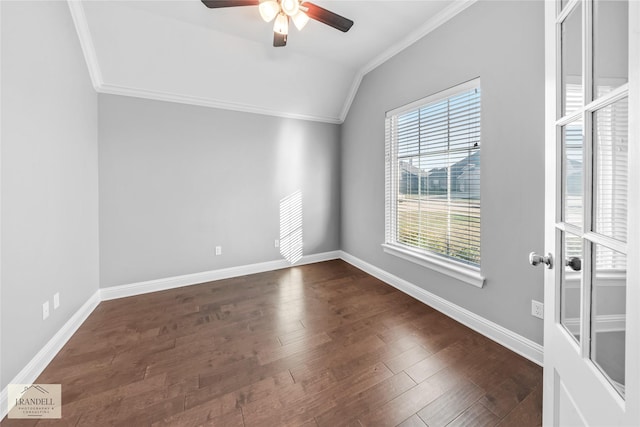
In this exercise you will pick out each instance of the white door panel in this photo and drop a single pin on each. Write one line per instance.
(592, 184)
(568, 414)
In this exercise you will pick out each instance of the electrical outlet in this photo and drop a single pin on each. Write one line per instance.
(537, 309)
(218, 250)
(56, 300)
(45, 310)
(276, 244)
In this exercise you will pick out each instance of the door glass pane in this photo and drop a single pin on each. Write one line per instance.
(610, 45)
(610, 137)
(571, 285)
(571, 51)
(572, 174)
(608, 314)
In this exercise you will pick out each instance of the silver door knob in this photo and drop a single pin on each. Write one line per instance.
(535, 259)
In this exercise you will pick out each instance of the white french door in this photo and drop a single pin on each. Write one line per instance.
(592, 213)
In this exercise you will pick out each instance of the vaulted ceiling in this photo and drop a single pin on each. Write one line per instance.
(182, 51)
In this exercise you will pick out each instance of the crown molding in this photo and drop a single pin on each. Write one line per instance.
(439, 19)
(89, 51)
(91, 58)
(351, 95)
(112, 89)
(86, 42)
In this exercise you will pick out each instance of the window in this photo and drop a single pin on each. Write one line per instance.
(433, 182)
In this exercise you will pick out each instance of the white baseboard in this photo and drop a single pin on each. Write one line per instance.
(34, 368)
(515, 342)
(501, 335)
(139, 288)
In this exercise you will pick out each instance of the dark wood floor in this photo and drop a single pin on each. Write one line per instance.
(323, 344)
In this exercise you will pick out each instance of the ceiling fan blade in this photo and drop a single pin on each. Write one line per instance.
(327, 17)
(214, 4)
(279, 40)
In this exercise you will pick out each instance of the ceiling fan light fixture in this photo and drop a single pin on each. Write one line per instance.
(290, 7)
(300, 19)
(281, 25)
(300, 12)
(268, 9)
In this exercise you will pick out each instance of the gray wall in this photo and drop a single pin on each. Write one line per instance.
(49, 178)
(502, 43)
(177, 180)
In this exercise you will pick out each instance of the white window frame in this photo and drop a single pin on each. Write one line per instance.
(467, 273)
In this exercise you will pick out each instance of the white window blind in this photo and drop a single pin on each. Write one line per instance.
(610, 180)
(433, 175)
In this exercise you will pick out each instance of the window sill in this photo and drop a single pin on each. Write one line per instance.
(460, 271)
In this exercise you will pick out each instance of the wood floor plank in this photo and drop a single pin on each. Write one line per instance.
(408, 358)
(297, 408)
(451, 404)
(147, 391)
(413, 421)
(335, 356)
(475, 416)
(317, 345)
(436, 362)
(269, 355)
(405, 405)
(528, 413)
(244, 395)
(505, 396)
(198, 415)
(347, 411)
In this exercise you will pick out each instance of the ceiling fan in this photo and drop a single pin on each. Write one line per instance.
(298, 10)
